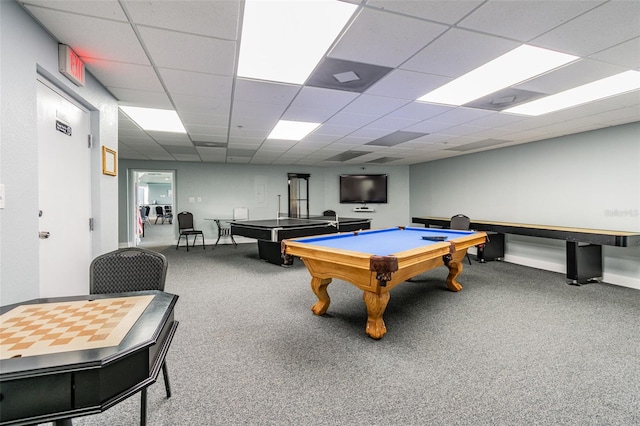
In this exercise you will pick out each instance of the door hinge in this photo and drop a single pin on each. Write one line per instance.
(90, 140)
(90, 224)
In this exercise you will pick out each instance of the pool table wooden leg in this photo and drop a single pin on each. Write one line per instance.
(319, 287)
(376, 304)
(455, 268)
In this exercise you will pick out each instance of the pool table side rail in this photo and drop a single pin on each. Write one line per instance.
(353, 266)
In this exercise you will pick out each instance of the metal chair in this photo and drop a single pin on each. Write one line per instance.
(462, 223)
(127, 270)
(224, 230)
(185, 227)
(159, 214)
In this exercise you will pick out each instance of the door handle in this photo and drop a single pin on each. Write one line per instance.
(44, 235)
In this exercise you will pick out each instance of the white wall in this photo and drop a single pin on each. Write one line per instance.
(221, 187)
(26, 50)
(587, 180)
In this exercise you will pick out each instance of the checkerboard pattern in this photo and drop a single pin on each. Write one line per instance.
(29, 330)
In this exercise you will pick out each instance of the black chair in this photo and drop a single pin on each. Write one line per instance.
(462, 223)
(159, 214)
(329, 213)
(126, 270)
(168, 214)
(185, 226)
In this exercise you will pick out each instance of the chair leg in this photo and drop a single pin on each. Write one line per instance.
(235, 245)
(165, 374)
(203, 246)
(468, 258)
(143, 407)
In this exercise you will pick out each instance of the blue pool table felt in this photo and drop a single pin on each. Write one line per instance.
(384, 242)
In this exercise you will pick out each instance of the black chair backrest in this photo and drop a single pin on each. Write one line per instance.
(147, 209)
(127, 269)
(328, 213)
(159, 210)
(167, 209)
(460, 222)
(185, 220)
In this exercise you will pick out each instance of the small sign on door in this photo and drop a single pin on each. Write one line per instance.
(64, 128)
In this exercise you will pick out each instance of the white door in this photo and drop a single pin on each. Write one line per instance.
(64, 189)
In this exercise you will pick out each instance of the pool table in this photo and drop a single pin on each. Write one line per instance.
(377, 260)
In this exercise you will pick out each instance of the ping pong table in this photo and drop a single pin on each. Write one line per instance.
(270, 232)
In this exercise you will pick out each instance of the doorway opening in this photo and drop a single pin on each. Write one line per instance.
(153, 203)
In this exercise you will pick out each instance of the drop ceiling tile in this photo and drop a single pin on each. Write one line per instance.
(201, 104)
(208, 139)
(207, 130)
(264, 92)
(524, 19)
(243, 132)
(160, 156)
(461, 115)
(138, 142)
(420, 111)
(211, 18)
(187, 157)
(374, 105)
(386, 39)
(601, 28)
(255, 116)
(166, 138)
(309, 115)
(204, 119)
(408, 85)
(86, 36)
(392, 123)
(445, 11)
(315, 97)
(352, 120)
(196, 84)
(625, 54)
(179, 149)
(428, 126)
(98, 9)
(124, 76)
(458, 52)
(141, 98)
(395, 138)
(168, 51)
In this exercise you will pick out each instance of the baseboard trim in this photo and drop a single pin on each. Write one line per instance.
(608, 278)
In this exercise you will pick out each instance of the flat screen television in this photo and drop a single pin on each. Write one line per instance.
(362, 189)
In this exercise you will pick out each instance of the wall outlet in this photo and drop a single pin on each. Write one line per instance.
(191, 199)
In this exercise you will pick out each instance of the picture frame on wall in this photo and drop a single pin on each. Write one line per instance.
(109, 162)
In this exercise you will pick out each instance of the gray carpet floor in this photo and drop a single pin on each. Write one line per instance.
(517, 346)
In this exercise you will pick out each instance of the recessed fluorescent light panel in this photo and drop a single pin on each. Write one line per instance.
(284, 40)
(161, 120)
(600, 89)
(292, 130)
(511, 68)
